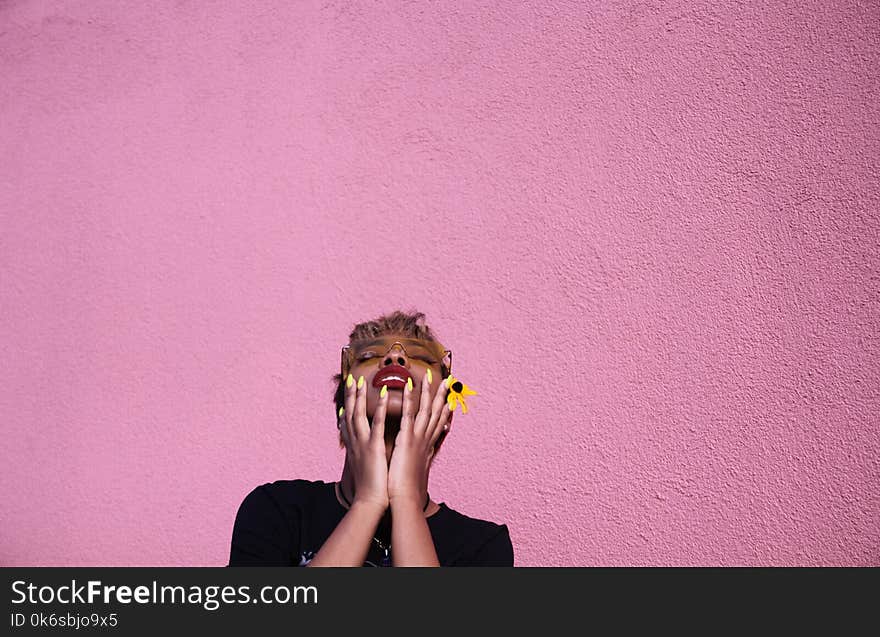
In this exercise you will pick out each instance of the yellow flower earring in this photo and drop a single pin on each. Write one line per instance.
(457, 391)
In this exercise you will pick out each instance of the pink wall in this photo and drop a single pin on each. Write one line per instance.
(650, 236)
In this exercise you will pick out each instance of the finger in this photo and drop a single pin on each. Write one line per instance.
(440, 426)
(439, 403)
(378, 428)
(424, 414)
(406, 416)
(350, 395)
(343, 426)
(444, 432)
(361, 424)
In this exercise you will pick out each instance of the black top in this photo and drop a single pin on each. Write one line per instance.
(285, 523)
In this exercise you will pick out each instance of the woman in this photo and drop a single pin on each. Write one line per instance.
(393, 414)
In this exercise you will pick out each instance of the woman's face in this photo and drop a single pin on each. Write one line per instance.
(390, 360)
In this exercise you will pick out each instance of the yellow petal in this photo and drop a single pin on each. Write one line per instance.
(463, 407)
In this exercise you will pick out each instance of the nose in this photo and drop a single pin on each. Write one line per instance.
(395, 356)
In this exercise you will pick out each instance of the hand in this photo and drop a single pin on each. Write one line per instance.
(365, 446)
(414, 445)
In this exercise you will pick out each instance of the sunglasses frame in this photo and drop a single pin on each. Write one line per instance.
(346, 355)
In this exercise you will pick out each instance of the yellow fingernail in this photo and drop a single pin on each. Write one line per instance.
(384, 391)
(429, 376)
(360, 382)
(341, 411)
(409, 383)
(349, 381)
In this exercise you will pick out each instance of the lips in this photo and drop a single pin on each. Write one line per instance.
(394, 376)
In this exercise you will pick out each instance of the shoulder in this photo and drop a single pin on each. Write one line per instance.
(294, 490)
(267, 528)
(452, 516)
(479, 542)
(283, 496)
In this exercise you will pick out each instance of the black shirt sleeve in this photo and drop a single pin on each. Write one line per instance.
(262, 534)
(496, 551)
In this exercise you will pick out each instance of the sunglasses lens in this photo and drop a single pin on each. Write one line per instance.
(414, 350)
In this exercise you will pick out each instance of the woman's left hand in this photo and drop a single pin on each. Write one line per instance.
(414, 445)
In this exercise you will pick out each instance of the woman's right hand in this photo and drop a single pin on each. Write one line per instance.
(365, 445)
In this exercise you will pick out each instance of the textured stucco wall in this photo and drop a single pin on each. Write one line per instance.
(649, 232)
